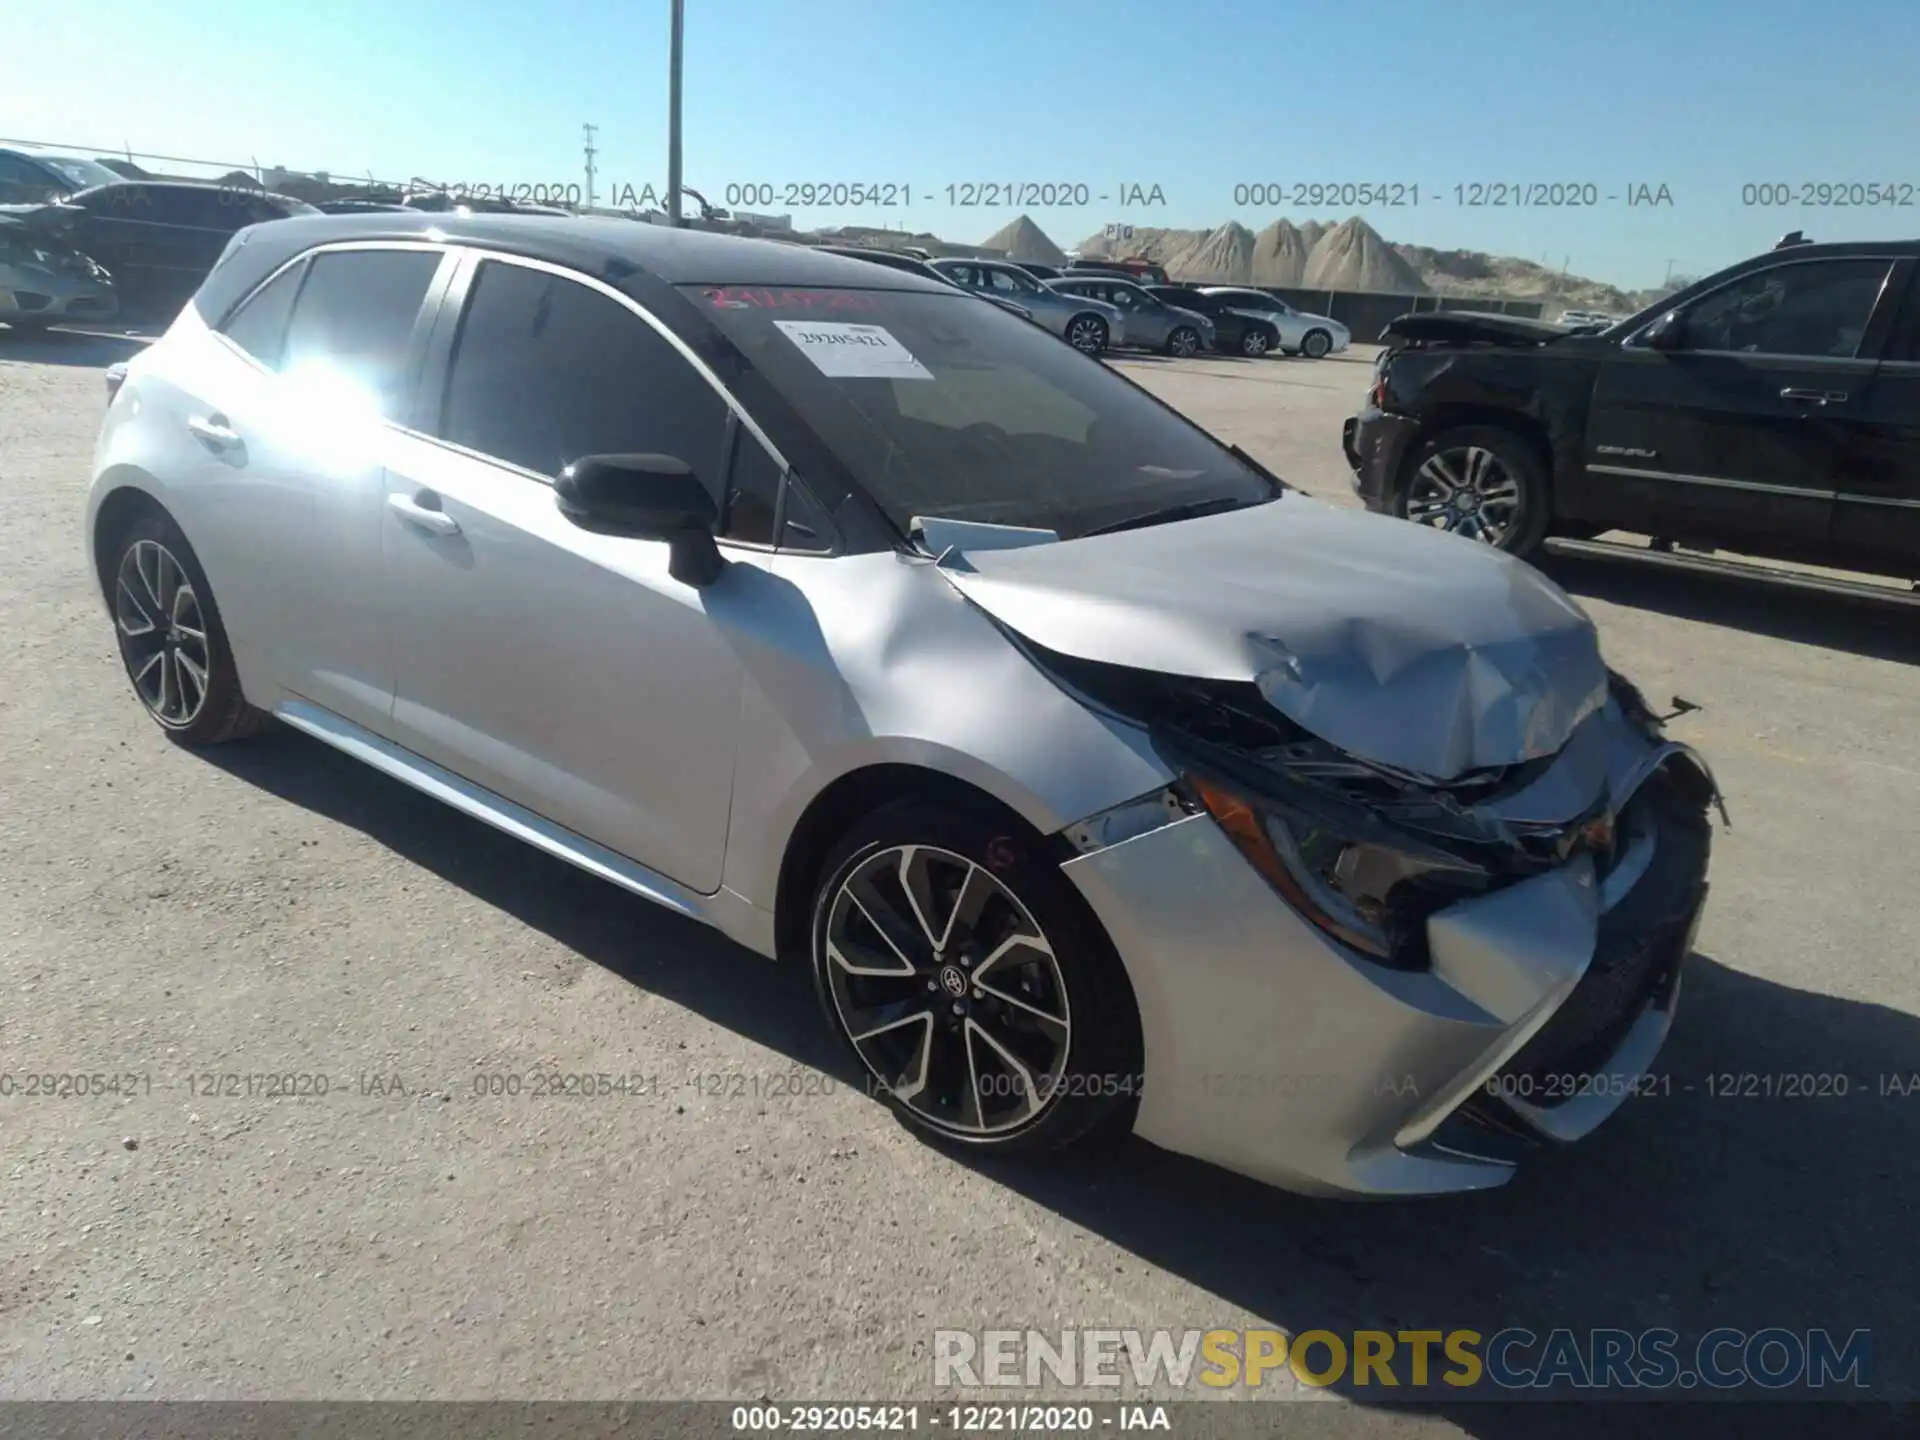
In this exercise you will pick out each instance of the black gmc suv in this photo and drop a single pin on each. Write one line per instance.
(1772, 409)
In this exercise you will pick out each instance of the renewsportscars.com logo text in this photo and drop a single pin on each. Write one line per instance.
(1377, 1361)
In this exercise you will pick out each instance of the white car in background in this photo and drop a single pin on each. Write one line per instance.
(1314, 336)
(1587, 318)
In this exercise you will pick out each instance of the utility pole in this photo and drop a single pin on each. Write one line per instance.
(1669, 279)
(590, 131)
(673, 115)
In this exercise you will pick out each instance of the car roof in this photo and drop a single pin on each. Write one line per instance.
(614, 250)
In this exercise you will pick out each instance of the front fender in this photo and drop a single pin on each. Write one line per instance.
(892, 666)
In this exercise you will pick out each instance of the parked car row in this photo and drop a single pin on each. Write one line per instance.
(1771, 409)
(151, 242)
(1079, 760)
(1098, 308)
(123, 246)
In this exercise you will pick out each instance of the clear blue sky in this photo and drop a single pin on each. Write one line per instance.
(1196, 96)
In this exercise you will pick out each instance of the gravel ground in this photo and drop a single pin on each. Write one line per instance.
(271, 909)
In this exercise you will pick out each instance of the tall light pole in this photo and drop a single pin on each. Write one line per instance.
(673, 115)
(589, 131)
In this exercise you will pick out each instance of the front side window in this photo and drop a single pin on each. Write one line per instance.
(353, 323)
(259, 326)
(1814, 308)
(546, 370)
(1007, 282)
(939, 406)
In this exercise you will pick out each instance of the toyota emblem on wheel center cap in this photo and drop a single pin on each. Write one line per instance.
(953, 981)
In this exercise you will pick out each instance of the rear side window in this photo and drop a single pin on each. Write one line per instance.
(546, 370)
(259, 326)
(355, 317)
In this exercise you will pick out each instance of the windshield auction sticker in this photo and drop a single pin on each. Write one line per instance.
(853, 352)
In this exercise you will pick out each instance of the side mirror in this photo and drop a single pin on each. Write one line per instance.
(1669, 332)
(645, 497)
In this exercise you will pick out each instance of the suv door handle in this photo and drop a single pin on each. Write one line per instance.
(213, 430)
(429, 518)
(1814, 397)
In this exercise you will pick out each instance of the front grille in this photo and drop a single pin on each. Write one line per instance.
(90, 305)
(1637, 957)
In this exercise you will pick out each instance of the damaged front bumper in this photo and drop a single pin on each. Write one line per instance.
(1275, 1049)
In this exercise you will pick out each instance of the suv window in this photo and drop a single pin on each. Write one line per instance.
(1011, 282)
(259, 326)
(355, 316)
(962, 274)
(546, 370)
(1816, 307)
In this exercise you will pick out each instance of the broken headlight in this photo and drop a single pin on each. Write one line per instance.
(1371, 892)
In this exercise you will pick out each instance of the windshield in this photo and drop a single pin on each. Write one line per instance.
(81, 173)
(940, 406)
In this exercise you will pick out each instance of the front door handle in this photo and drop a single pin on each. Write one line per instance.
(429, 518)
(213, 430)
(1814, 397)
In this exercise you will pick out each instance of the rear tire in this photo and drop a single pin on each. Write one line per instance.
(172, 642)
(979, 996)
(1480, 481)
(1087, 334)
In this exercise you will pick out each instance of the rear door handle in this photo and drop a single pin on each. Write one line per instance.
(430, 518)
(213, 430)
(1814, 397)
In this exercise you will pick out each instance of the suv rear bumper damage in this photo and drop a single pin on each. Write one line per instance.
(1275, 1050)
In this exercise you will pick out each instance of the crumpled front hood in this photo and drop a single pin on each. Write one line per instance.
(1396, 643)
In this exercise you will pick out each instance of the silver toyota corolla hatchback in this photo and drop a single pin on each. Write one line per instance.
(1104, 783)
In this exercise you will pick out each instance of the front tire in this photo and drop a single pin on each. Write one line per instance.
(977, 994)
(1087, 334)
(1184, 342)
(1480, 481)
(1256, 342)
(171, 638)
(1315, 344)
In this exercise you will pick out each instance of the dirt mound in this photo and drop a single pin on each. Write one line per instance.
(1312, 231)
(1021, 239)
(1224, 257)
(1355, 256)
(1279, 255)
